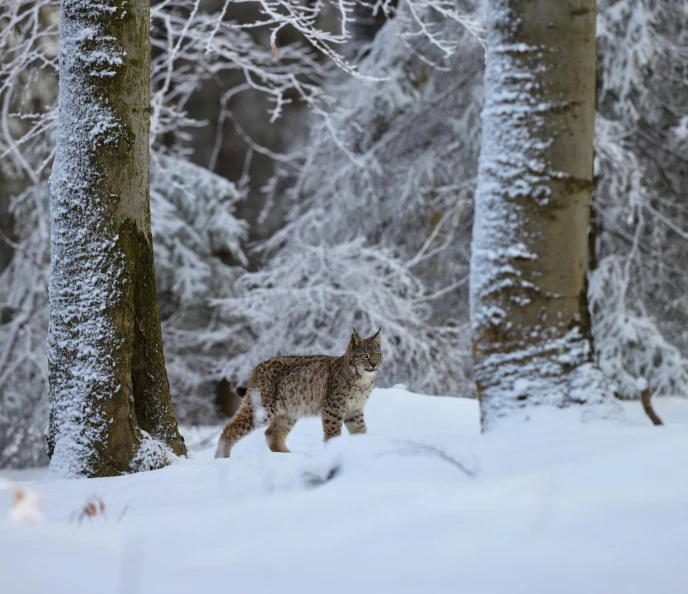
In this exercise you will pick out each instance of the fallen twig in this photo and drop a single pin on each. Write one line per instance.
(413, 448)
(645, 396)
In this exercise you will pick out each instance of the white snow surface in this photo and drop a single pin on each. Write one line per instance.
(552, 506)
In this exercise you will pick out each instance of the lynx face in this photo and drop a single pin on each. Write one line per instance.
(365, 353)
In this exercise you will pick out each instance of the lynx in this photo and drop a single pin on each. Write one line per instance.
(283, 390)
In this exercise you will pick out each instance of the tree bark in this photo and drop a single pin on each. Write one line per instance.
(110, 406)
(531, 327)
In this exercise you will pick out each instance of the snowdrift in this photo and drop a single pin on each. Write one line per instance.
(422, 504)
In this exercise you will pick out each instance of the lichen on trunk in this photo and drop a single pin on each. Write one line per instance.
(531, 328)
(110, 407)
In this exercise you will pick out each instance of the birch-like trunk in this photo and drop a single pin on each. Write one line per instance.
(531, 329)
(110, 407)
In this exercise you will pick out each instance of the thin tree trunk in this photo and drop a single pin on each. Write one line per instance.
(367, 21)
(227, 399)
(6, 225)
(107, 369)
(531, 328)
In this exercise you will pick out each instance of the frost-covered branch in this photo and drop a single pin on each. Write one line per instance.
(380, 210)
(638, 291)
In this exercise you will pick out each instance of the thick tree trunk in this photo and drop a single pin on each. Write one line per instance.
(531, 328)
(110, 407)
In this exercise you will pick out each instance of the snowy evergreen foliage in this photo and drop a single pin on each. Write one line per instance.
(198, 254)
(638, 291)
(378, 231)
(28, 65)
(23, 327)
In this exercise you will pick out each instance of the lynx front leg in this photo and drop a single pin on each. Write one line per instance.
(355, 422)
(332, 423)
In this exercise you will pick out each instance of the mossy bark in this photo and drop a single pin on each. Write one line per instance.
(107, 367)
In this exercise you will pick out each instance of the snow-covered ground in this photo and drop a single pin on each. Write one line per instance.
(423, 504)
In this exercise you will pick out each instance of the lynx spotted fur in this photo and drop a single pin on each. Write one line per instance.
(283, 390)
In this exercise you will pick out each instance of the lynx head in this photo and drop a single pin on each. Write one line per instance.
(365, 354)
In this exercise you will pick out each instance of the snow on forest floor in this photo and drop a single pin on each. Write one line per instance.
(423, 504)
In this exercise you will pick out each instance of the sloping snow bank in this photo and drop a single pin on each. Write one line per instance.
(423, 503)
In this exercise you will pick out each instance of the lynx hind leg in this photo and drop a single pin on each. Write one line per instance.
(276, 434)
(251, 415)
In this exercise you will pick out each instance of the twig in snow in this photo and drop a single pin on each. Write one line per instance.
(645, 396)
(414, 448)
(121, 515)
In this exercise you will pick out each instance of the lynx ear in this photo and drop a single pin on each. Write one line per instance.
(355, 338)
(376, 338)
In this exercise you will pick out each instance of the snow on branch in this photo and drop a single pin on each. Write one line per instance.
(325, 290)
(638, 290)
(377, 234)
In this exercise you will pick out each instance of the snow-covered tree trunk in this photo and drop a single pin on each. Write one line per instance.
(110, 407)
(531, 328)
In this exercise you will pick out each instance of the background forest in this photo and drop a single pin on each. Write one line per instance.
(313, 168)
